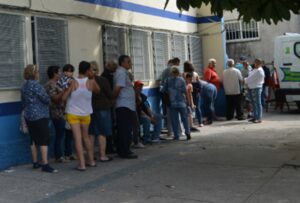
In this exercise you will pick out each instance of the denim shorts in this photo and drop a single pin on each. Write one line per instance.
(101, 123)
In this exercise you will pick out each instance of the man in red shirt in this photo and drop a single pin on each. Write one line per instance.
(210, 74)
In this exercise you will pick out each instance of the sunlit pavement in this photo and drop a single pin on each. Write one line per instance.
(229, 161)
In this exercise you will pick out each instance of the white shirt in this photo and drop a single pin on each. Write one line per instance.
(232, 78)
(256, 78)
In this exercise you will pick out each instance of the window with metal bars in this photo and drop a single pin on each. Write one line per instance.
(140, 56)
(50, 44)
(114, 42)
(180, 48)
(12, 49)
(196, 53)
(161, 56)
(237, 31)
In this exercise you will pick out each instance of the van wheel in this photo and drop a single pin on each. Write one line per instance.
(298, 104)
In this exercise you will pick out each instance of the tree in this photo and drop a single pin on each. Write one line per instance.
(259, 10)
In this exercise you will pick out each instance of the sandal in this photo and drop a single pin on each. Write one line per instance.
(106, 160)
(80, 169)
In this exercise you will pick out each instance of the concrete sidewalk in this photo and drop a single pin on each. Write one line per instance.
(233, 161)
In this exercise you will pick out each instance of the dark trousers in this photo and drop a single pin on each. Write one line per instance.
(68, 142)
(59, 125)
(124, 118)
(234, 104)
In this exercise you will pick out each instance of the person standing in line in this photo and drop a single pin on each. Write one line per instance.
(175, 86)
(232, 79)
(255, 81)
(211, 75)
(108, 73)
(78, 109)
(35, 104)
(209, 95)
(125, 107)
(57, 110)
(101, 123)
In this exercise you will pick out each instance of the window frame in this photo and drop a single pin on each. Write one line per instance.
(25, 50)
(241, 31)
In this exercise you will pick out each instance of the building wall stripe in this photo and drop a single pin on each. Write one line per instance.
(153, 11)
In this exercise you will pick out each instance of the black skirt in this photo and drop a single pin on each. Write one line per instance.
(39, 132)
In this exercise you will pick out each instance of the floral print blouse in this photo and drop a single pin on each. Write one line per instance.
(35, 101)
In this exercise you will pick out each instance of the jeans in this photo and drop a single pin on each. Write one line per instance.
(175, 111)
(197, 102)
(255, 98)
(209, 93)
(59, 125)
(146, 123)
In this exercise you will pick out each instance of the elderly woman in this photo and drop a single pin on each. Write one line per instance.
(175, 86)
(255, 82)
(35, 103)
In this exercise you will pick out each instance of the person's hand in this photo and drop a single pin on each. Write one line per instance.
(153, 121)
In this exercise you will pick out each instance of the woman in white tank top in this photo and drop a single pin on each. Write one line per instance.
(78, 109)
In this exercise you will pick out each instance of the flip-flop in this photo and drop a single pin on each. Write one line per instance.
(106, 160)
(91, 165)
(80, 169)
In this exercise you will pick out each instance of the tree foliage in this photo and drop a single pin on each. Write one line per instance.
(259, 10)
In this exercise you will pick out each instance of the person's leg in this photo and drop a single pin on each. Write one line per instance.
(184, 119)
(239, 107)
(44, 152)
(102, 146)
(146, 123)
(254, 103)
(59, 125)
(34, 153)
(259, 104)
(169, 121)
(92, 141)
(157, 126)
(68, 143)
(208, 103)
(87, 142)
(124, 126)
(136, 129)
(175, 122)
(229, 107)
(78, 144)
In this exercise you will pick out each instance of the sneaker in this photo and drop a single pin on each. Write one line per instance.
(188, 136)
(156, 140)
(36, 165)
(257, 121)
(139, 146)
(47, 168)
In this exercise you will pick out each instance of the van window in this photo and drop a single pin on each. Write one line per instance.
(297, 49)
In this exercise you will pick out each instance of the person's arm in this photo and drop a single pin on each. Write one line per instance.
(190, 96)
(207, 75)
(42, 94)
(95, 87)
(69, 90)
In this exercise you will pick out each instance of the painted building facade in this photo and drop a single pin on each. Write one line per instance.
(68, 31)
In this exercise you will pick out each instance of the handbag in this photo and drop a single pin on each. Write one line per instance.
(23, 124)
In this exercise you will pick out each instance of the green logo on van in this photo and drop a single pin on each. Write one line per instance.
(290, 76)
(287, 50)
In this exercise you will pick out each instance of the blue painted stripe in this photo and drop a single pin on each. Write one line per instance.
(153, 11)
(11, 108)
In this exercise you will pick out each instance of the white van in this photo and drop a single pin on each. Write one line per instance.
(287, 64)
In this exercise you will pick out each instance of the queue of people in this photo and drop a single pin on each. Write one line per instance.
(112, 110)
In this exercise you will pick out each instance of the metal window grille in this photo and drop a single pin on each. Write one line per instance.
(114, 42)
(240, 31)
(196, 53)
(139, 47)
(180, 48)
(12, 49)
(51, 46)
(160, 52)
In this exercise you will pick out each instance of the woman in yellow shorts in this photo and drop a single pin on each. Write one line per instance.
(79, 109)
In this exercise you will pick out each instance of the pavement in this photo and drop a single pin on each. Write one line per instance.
(227, 162)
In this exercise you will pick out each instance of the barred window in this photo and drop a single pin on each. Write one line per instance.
(180, 48)
(140, 55)
(240, 31)
(51, 46)
(196, 53)
(114, 40)
(12, 49)
(160, 52)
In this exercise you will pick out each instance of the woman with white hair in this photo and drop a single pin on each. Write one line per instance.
(211, 75)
